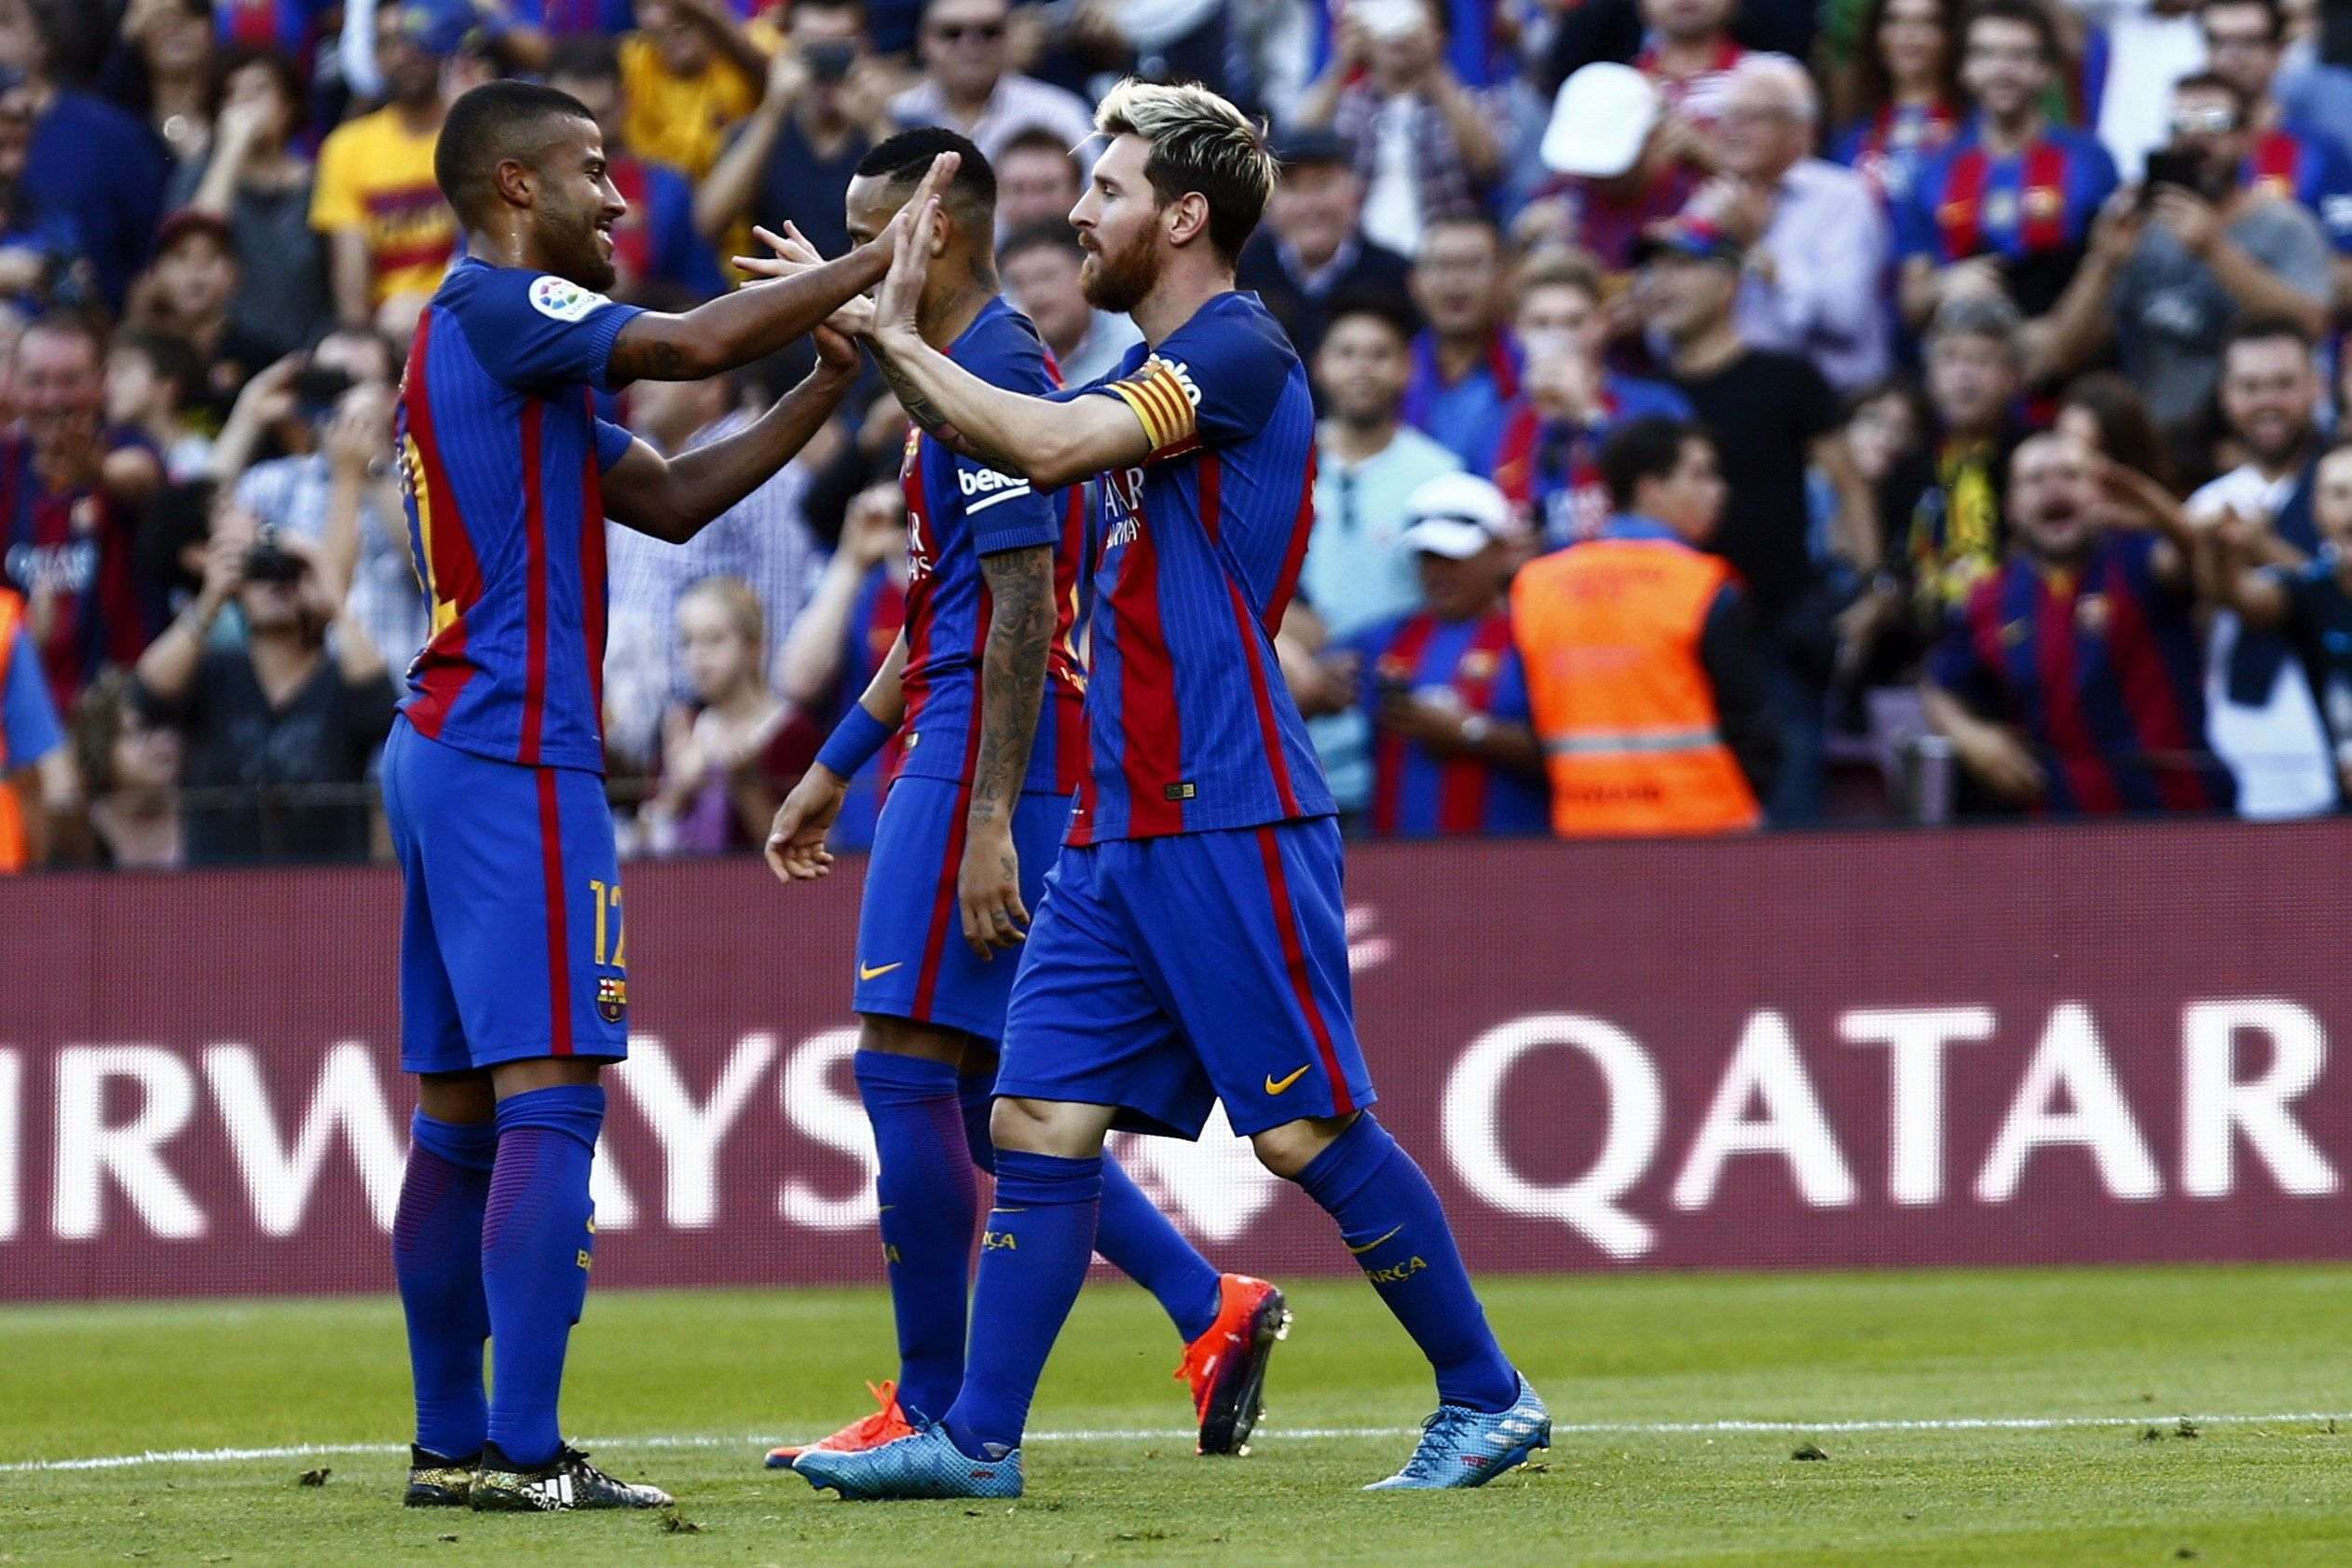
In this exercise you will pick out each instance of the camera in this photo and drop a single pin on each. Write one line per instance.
(266, 562)
(831, 59)
(317, 388)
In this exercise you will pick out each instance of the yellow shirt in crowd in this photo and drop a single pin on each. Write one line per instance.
(375, 174)
(680, 120)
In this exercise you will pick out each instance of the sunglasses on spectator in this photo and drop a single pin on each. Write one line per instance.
(956, 32)
(2204, 122)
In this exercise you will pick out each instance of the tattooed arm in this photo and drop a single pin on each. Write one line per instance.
(1020, 632)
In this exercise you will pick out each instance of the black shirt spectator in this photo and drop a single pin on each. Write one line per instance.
(1766, 410)
(1311, 253)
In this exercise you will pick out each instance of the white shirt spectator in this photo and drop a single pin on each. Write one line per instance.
(291, 493)
(1018, 104)
(2146, 53)
(1816, 283)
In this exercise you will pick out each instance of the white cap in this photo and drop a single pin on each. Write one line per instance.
(1599, 120)
(1455, 515)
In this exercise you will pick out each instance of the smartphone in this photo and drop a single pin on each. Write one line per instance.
(831, 59)
(2167, 167)
(317, 388)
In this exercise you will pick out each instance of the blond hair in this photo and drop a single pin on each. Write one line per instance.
(735, 600)
(1199, 143)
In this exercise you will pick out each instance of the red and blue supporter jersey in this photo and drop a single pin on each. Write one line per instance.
(289, 26)
(1888, 148)
(2301, 164)
(502, 463)
(1473, 666)
(959, 509)
(1966, 202)
(2101, 673)
(1198, 556)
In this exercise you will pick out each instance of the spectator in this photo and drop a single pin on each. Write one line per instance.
(848, 627)
(1441, 689)
(1771, 413)
(1910, 102)
(1547, 455)
(294, 28)
(792, 158)
(2110, 415)
(1885, 426)
(278, 731)
(659, 259)
(1620, 156)
(1425, 145)
(2069, 682)
(162, 70)
(2314, 90)
(256, 179)
(1689, 52)
(2143, 47)
(969, 83)
(43, 260)
(1815, 240)
(2265, 722)
(689, 74)
(130, 776)
(336, 486)
(151, 380)
(37, 771)
(1038, 180)
(2007, 208)
(69, 541)
(760, 541)
(87, 159)
(2308, 601)
(1641, 655)
(1311, 253)
(189, 293)
(387, 231)
(2289, 157)
(1464, 367)
(1369, 464)
(1040, 265)
(1943, 509)
(2167, 291)
(733, 750)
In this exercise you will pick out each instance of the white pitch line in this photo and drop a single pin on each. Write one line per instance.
(756, 1440)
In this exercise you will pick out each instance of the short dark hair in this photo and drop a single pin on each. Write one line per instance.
(2025, 13)
(588, 57)
(1039, 138)
(1043, 233)
(283, 74)
(2272, 13)
(2265, 329)
(904, 159)
(488, 125)
(1389, 312)
(1650, 447)
(2210, 81)
(174, 359)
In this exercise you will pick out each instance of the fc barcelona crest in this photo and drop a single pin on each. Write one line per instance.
(612, 997)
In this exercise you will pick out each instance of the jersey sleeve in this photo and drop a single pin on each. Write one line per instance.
(612, 445)
(1507, 700)
(1211, 384)
(1004, 512)
(534, 330)
(1956, 666)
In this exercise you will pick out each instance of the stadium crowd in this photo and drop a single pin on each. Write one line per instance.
(1769, 411)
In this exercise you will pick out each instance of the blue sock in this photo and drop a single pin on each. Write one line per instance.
(1136, 1237)
(930, 1202)
(978, 1091)
(1034, 1257)
(537, 1234)
(437, 1258)
(1390, 1219)
(1145, 1246)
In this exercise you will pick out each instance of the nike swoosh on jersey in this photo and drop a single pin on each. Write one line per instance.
(1276, 1085)
(1376, 1241)
(878, 970)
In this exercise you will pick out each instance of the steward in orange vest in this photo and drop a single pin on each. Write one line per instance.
(1642, 665)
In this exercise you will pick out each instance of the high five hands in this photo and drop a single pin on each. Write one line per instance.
(911, 235)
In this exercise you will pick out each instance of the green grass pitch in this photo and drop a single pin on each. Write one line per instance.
(684, 1388)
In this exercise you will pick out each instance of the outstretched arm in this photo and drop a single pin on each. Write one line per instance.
(753, 322)
(673, 498)
(1020, 633)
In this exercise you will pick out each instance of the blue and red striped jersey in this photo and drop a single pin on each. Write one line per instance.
(1966, 201)
(501, 462)
(1474, 666)
(2100, 671)
(959, 509)
(2305, 164)
(1197, 557)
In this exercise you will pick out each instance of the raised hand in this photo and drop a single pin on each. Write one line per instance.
(790, 252)
(898, 300)
(796, 850)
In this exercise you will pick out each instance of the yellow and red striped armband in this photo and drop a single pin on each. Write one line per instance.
(1159, 398)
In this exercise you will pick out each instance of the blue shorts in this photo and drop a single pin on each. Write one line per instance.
(510, 944)
(912, 961)
(1165, 975)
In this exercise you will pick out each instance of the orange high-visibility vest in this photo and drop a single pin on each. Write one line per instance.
(1609, 631)
(12, 845)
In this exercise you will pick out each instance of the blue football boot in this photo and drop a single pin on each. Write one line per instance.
(925, 1464)
(1463, 1447)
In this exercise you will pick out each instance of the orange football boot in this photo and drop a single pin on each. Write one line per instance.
(1226, 1365)
(886, 1425)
